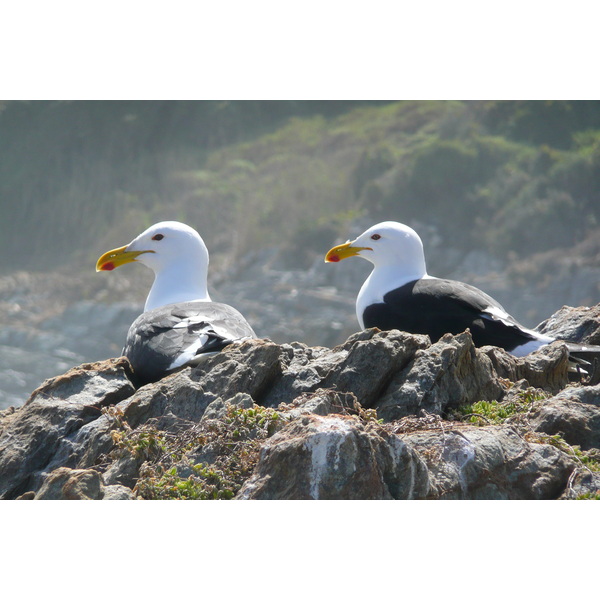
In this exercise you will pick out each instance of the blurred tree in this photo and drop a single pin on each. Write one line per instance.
(543, 121)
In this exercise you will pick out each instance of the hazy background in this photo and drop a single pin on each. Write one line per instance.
(504, 194)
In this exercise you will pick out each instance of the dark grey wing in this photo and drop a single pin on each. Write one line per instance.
(437, 306)
(172, 336)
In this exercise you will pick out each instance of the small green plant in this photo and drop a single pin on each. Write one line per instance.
(588, 459)
(494, 412)
(204, 483)
(484, 412)
(146, 444)
(588, 496)
(251, 422)
(531, 395)
(369, 414)
(170, 467)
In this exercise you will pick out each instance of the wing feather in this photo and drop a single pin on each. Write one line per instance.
(435, 306)
(176, 335)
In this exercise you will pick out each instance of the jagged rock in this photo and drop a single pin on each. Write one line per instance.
(320, 402)
(578, 325)
(117, 492)
(363, 365)
(177, 396)
(574, 414)
(547, 369)
(446, 374)
(379, 416)
(34, 436)
(124, 471)
(218, 408)
(588, 394)
(186, 395)
(335, 457)
(80, 484)
(373, 358)
(494, 462)
(303, 369)
(249, 368)
(339, 457)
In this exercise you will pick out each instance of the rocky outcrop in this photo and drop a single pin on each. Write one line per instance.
(43, 333)
(385, 415)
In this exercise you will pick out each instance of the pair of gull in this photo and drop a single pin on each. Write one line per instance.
(180, 324)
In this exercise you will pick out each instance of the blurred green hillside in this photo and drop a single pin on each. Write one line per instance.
(509, 178)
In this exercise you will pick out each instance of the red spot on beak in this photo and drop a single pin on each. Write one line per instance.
(107, 266)
(334, 258)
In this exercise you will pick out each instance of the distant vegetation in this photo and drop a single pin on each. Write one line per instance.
(76, 177)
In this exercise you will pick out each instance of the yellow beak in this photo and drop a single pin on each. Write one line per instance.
(344, 251)
(117, 257)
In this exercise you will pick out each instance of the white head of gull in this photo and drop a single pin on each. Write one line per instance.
(396, 251)
(177, 255)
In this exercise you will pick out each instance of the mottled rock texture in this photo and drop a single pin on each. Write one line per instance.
(385, 415)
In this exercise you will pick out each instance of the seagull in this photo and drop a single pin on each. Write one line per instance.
(400, 294)
(180, 325)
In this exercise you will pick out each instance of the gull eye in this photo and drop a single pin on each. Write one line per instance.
(375, 237)
(158, 237)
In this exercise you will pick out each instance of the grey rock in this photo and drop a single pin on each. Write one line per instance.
(321, 402)
(218, 408)
(373, 358)
(363, 365)
(490, 463)
(577, 421)
(117, 492)
(571, 324)
(72, 484)
(124, 471)
(249, 367)
(368, 418)
(588, 394)
(80, 484)
(335, 457)
(547, 369)
(39, 433)
(302, 370)
(582, 485)
(448, 373)
(178, 396)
